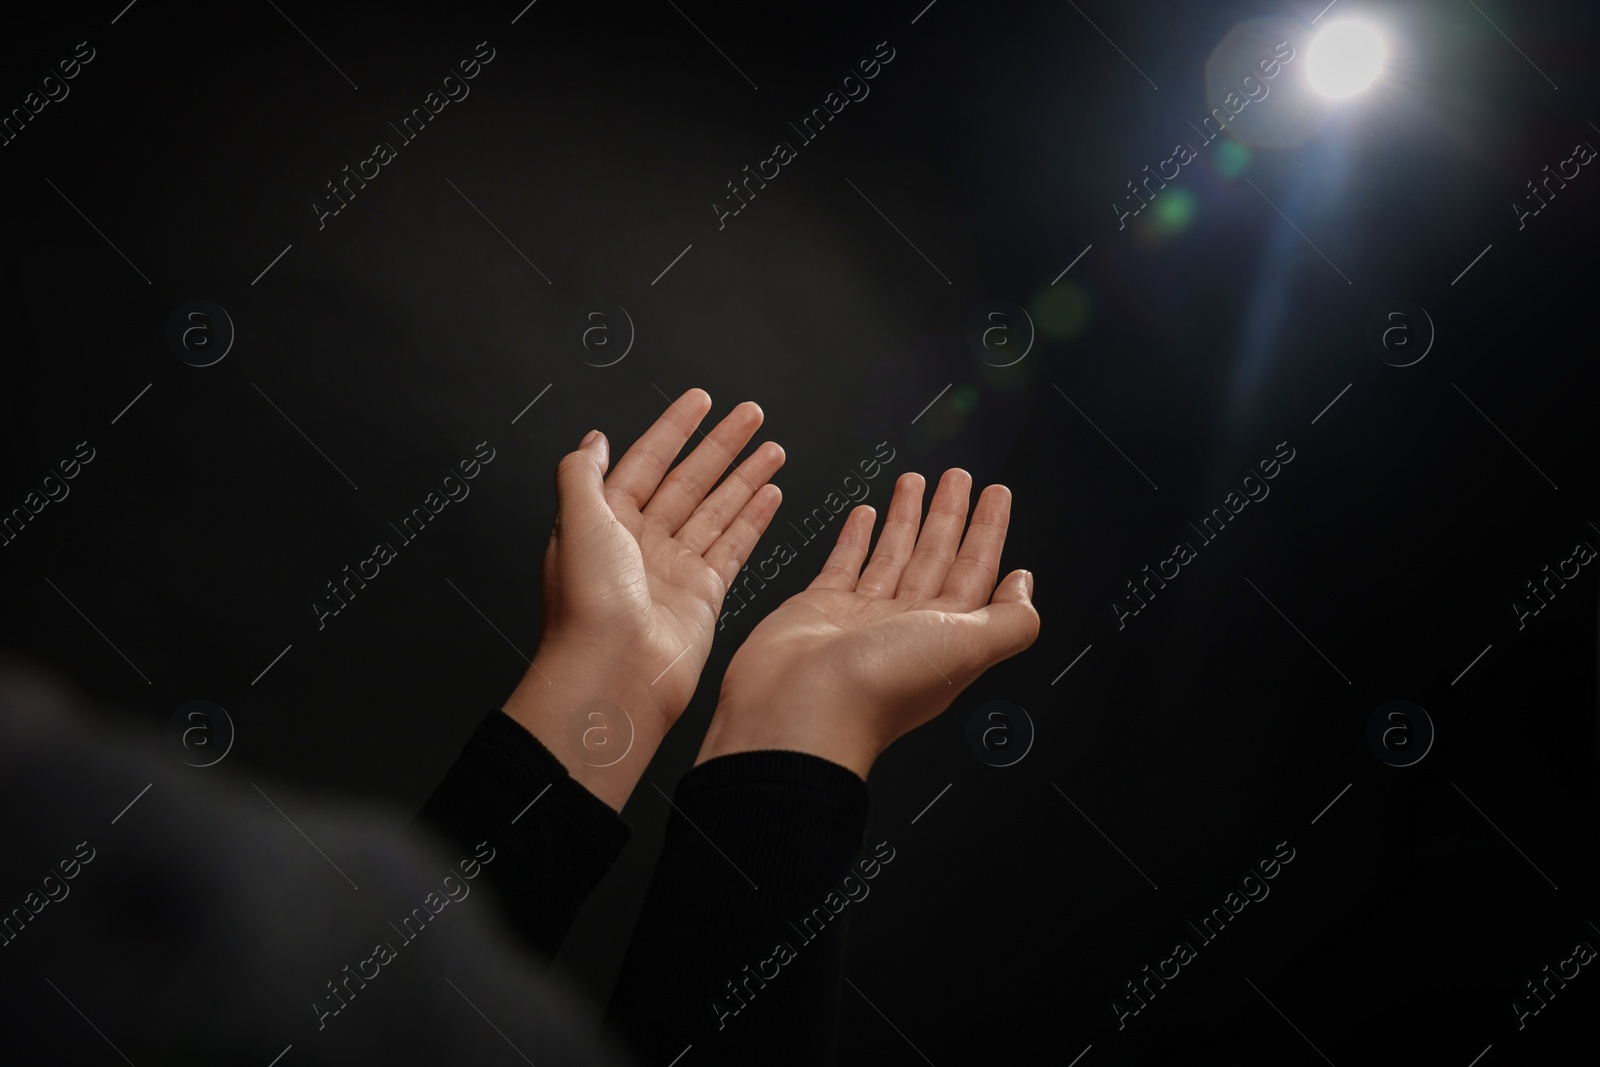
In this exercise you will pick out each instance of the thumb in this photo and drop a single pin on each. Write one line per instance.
(580, 484)
(1007, 624)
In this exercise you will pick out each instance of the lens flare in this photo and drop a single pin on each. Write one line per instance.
(1345, 58)
(1230, 158)
(1061, 311)
(1172, 213)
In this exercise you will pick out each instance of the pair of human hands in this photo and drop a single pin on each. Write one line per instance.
(642, 556)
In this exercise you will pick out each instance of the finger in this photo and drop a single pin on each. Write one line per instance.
(849, 551)
(712, 517)
(685, 488)
(736, 544)
(940, 537)
(1005, 626)
(972, 576)
(641, 469)
(580, 485)
(896, 541)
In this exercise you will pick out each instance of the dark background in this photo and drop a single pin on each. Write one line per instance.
(1196, 738)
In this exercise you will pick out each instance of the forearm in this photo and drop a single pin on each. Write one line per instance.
(552, 839)
(597, 718)
(543, 781)
(739, 947)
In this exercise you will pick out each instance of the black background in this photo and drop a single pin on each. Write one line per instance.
(1196, 738)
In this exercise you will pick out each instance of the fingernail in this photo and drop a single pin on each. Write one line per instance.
(1027, 581)
(588, 437)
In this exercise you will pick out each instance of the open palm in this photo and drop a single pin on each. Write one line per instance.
(640, 559)
(861, 657)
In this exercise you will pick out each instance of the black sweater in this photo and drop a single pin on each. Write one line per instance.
(179, 916)
(738, 951)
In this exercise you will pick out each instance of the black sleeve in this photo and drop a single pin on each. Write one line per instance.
(553, 839)
(739, 948)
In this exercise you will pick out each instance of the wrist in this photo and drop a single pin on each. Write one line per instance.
(601, 723)
(844, 739)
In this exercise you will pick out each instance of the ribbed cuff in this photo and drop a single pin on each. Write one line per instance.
(831, 782)
(528, 768)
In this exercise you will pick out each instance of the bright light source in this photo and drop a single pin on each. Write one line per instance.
(1345, 58)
